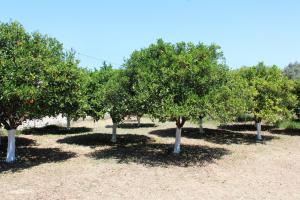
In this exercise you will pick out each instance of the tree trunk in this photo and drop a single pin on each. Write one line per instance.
(177, 141)
(258, 130)
(68, 122)
(11, 145)
(114, 133)
(201, 125)
(179, 124)
(138, 121)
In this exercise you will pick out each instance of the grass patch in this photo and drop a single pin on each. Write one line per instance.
(3, 132)
(289, 124)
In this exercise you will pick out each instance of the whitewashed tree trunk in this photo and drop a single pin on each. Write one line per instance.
(139, 121)
(11, 145)
(178, 137)
(68, 122)
(201, 130)
(177, 140)
(114, 133)
(258, 130)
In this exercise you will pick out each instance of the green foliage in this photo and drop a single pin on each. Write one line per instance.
(271, 96)
(34, 75)
(177, 80)
(95, 91)
(107, 93)
(292, 71)
(230, 100)
(297, 93)
(289, 124)
(66, 91)
(116, 96)
(139, 102)
(23, 58)
(245, 118)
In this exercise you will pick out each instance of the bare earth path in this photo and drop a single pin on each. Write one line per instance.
(218, 165)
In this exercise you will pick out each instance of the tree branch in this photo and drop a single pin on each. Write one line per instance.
(4, 122)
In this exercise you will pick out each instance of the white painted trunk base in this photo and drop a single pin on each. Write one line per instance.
(114, 133)
(177, 140)
(11, 145)
(201, 130)
(68, 123)
(258, 131)
(139, 121)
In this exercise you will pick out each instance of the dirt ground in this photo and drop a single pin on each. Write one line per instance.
(223, 163)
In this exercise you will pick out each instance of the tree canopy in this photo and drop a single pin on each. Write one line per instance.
(24, 59)
(37, 78)
(184, 81)
(230, 100)
(66, 90)
(271, 96)
(107, 93)
(297, 93)
(179, 79)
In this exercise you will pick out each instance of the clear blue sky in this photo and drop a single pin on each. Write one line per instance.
(248, 31)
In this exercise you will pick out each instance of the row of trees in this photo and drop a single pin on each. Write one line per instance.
(178, 82)
(189, 82)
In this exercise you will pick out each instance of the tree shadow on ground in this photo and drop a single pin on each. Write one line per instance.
(270, 128)
(133, 125)
(153, 154)
(103, 139)
(20, 142)
(214, 135)
(55, 130)
(288, 131)
(245, 127)
(29, 155)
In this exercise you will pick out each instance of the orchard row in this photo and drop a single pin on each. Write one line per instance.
(179, 82)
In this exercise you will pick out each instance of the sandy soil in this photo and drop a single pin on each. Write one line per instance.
(220, 164)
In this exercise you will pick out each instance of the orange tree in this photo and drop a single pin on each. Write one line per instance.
(34, 77)
(66, 90)
(177, 81)
(272, 94)
(107, 93)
